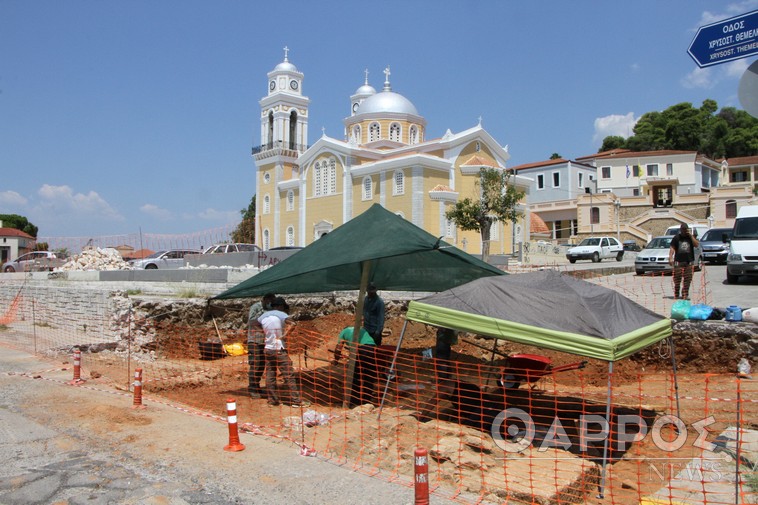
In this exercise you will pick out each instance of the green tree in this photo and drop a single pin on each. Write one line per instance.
(19, 223)
(497, 202)
(555, 156)
(612, 142)
(728, 133)
(245, 231)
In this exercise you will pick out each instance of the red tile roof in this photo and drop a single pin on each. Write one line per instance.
(13, 232)
(536, 164)
(537, 225)
(745, 160)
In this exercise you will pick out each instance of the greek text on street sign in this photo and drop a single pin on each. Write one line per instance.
(726, 40)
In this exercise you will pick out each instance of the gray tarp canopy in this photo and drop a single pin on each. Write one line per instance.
(550, 310)
(546, 309)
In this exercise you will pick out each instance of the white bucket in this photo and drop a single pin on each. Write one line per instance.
(750, 315)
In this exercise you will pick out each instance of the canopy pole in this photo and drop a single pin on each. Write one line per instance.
(610, 431)
(492, 358)
(673, 367)
(365, 271)
(391, 371)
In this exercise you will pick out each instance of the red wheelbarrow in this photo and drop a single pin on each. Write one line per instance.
(529, 368)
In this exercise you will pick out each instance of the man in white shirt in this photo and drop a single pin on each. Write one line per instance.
(273, 323)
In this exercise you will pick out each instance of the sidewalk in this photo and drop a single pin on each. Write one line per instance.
(84, 444)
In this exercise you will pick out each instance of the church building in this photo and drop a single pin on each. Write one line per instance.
(305, 191)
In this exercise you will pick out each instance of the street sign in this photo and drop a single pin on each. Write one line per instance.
(726, 40)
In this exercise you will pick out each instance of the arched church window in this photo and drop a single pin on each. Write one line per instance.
(290, 200)
(398, 188)
(332, 176)
(413, 135)
(293, 130)
(368, 189)
(395, 132)
(357, 133)
(374, 132)
(266, 204)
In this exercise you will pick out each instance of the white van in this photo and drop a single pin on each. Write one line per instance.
(698, 230)
(743, 248)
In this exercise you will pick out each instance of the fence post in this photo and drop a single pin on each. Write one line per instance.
(137, 404)
(421, 476)
(77, 380)
(231, 418)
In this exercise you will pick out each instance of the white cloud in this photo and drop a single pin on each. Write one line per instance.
(156, 212)
(731, 10)
(220, 216)
(10, 200)
(699, 78)
(614, 124)
(635, 67)
(736, 68)
(61, 201)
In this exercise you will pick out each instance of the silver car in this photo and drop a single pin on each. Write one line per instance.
(715, 248)
(35, 261)
(229, 248)
(654, 258)
(173, 258)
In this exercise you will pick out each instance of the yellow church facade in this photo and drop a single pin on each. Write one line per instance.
(304, 192)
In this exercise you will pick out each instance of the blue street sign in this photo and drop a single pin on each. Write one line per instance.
(726, 40)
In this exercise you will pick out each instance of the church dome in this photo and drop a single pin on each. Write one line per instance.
(366, 89)
(286, 66)
(387, 101)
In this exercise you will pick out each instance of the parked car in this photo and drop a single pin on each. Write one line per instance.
(173, 258)
(715, 245)
(596, 249)
(743, 248)
(229, 248)
(35, 261)
(698, 230)
(632, 245)
(655, 257)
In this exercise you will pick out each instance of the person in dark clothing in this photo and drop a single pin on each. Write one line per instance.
(682, 259)
(373, 314)
(255, 345)
(443, 352)
(363, 389)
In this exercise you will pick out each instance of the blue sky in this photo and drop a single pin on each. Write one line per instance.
(123, 116)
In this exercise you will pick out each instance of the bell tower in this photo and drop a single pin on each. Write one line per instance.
(284, 110)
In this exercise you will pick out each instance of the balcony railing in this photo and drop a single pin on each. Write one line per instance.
(280, 146)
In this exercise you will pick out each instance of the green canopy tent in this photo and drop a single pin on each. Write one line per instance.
(551, 310)
(394, 253)
(376, 246)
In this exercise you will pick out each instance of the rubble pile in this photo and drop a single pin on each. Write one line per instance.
(95, 259)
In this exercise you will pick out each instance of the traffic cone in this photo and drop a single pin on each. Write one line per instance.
(421, 476)
(137, 404)
(77, 380)
(231, 418)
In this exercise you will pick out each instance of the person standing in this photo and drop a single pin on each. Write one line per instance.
(446, 338)
(373, 314)
(682, 259)
(277, 359)
(363, 389)
(255, 345)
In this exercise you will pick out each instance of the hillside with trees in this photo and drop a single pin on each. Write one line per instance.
(728, 133)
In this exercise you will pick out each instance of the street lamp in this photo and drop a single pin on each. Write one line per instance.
(710, 221)
(617, 204)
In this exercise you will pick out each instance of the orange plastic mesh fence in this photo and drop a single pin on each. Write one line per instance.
(499, 422)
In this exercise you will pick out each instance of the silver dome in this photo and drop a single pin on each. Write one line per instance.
(286, 66)
(387, 101)
(366, 89)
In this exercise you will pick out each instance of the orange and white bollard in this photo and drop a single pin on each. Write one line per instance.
(421, 476)
(137, 404)
(231, 418)
(77, 369)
